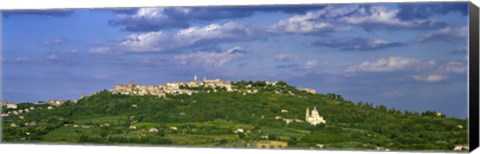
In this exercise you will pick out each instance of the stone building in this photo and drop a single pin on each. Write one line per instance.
(56, 102)
(194, 83)
(3, 103)
(314, 118)
(271, 144)
(460, 147)
(308, 90)
(169, 87)
(11, 106)
(217, 83)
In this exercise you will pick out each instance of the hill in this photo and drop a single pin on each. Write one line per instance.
(253, 114)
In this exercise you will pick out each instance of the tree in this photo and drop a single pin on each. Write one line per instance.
(272, 137)
(281, 83)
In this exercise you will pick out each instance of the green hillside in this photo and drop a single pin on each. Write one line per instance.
(209, 119)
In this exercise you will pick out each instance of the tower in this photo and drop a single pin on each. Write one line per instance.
(307, 114)
(204, 79)
(195, 78)
(315, 112)
(83, 93)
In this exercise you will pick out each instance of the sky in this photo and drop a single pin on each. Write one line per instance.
(407, 56)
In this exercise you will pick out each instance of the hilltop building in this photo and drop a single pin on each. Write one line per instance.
(314, 118)
(3, 103)
(56, 102)
(308, 90)
(170, 87)
(11, 106)
(8, 104)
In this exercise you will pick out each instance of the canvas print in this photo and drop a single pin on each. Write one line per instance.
(373, 76)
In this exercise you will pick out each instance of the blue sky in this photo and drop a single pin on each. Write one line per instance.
(408, 56)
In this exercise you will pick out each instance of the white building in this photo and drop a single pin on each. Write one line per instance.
(153, 130)
(56, 102)
(312, 91)
(11, 106)
(3, 103)
(239, 130)
(314, 118)
(460, 147)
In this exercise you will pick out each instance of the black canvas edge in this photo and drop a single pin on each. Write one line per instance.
(473, 76)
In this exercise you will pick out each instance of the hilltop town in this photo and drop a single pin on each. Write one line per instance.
(170, 87)
(173, 88)
(188, 88)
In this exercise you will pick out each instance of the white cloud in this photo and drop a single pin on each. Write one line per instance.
(375, 17)
(341, 18)
(151, 41)
(57, 41)
(311, 22)
(22, 59)
(160, 41)
(311, 64)
(445, 34)
(100, 76)
(379, 42)
(152, 19)
(227, 31)
(384, 65)
(52, 57)
(74, 51)
(216, 59)
(286, 57)
(453, 67)
(430, 77)
(422, 70)
(100, 50)
(357, 43)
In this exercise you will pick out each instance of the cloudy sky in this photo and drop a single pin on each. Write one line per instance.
(405, 56)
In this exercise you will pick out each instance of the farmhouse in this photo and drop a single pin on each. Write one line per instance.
(320, 146)
(460, 147)
(153, 130)
(271, 144)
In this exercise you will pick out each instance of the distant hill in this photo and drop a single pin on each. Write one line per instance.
(250, 115)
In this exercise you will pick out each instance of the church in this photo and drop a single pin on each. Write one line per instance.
(314, 118)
